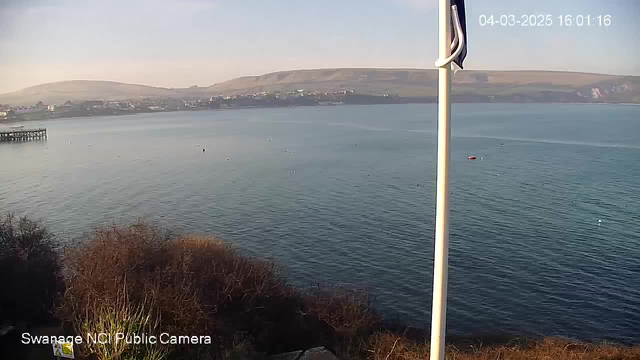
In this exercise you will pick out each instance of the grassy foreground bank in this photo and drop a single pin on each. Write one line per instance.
(142, 279)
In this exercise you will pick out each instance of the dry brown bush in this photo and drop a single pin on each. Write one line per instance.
(197, 285)
(114, 319)
(346, 311)
(201, 286)
(142, 278)
(29, 271)
(391, 346)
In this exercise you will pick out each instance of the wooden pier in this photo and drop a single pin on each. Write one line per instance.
(21, 134)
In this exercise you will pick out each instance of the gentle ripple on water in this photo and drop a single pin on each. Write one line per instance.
(527, 254)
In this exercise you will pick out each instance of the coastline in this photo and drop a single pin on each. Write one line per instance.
(15, 120)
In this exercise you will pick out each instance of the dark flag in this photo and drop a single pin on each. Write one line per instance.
(459, 6)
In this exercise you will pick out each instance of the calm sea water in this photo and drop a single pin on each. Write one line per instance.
(346, 195)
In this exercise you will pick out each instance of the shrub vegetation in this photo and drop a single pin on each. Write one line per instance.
(142, 279)
(30, 275)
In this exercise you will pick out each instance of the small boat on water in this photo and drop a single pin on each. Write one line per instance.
(471, 158)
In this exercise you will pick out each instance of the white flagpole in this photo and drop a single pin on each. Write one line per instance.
(441, 256)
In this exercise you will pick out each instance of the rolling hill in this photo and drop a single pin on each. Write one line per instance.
(403, 82)
(424, 83)
(515, 86)
(78, 90)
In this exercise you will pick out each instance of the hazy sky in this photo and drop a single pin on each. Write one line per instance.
(178, 43)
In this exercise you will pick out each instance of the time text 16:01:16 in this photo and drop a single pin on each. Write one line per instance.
(509, 20)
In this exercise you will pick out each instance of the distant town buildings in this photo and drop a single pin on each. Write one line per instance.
(28, 109)
(296, 97)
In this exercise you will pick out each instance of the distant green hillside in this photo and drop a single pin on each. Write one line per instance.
(78, 90)
(403, 82)
(515, 86)
(424, 83)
